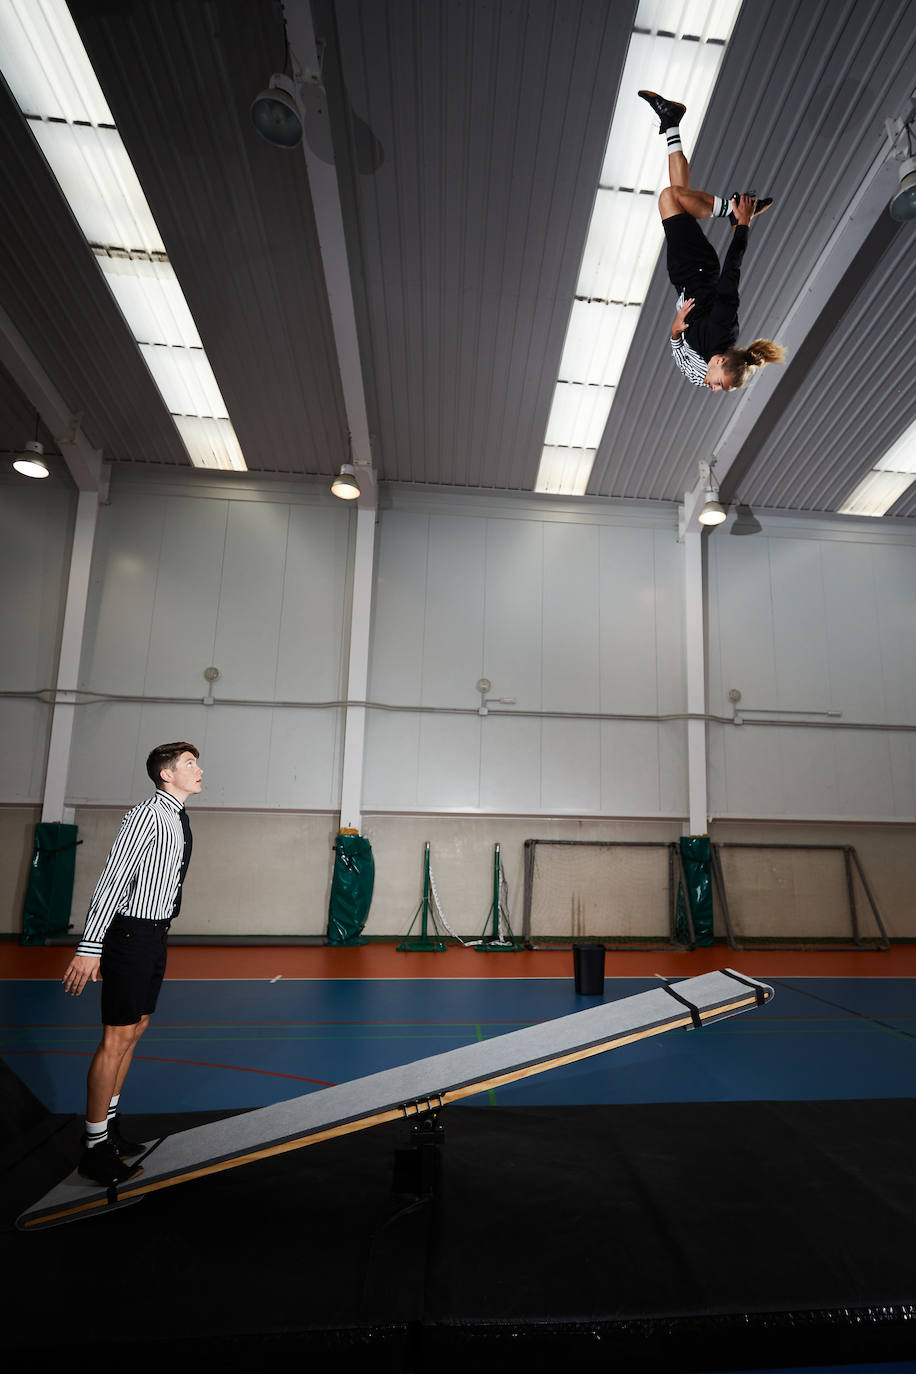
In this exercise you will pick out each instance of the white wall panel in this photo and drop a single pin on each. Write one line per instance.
(186, 578)
(303, 766)
(853, 633)
(399, 610)
(669, 629)
(572, 573)
(809, 771)
(316, 577)
(741, 622)
(35, 538)
(750, 782)
(903, 774)
(246, 645)
(864, 779)
(672, 770)
(514, 594)
(256, 587)
(570, 765)
(799, 629)
(453, 632)
(122, 594)
(630, 768)
(24, 730)
(449, 768)
(391, 761)
(510, 765)
(563, 613)
(822, 620)
(627, 620)
(894, 568)
(109, 751)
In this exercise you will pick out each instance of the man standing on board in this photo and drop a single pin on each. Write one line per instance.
(124, 945)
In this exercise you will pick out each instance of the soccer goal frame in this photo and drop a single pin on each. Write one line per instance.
(849, 869)
(674, 882)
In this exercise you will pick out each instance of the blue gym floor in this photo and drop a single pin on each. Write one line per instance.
(218, 1045)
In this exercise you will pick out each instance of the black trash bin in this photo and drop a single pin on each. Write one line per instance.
(588, 962)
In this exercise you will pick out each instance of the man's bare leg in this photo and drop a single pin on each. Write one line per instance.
(109, 1066)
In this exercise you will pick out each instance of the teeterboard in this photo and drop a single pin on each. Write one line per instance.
(426, 1084)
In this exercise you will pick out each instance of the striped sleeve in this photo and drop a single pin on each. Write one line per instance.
(135, 837)
(689, 362)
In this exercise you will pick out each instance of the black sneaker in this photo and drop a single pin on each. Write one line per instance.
(670, 112)
(124, 1148)
(763, 203)
(101, 1165)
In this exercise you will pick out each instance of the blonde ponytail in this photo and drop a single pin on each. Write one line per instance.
(741, 362)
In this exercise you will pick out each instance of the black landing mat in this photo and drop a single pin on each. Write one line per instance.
(679, 1237)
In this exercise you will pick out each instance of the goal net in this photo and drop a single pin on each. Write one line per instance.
(803, 895)
(611, 891)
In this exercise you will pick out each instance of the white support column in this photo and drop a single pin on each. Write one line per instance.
(695, 652)
(351, 787)
(69, 665)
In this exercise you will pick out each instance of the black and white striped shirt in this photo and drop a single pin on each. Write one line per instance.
(142, 873)
(688, 360)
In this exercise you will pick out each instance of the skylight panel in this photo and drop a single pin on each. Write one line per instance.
(901, 456)
(676, 47)
(151, 300)
(876, 493)
(48, 71)
(46, 66)
(565, 471)
(99, 182)
(892, 474)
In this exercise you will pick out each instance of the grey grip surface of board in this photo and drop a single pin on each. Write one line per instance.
(410, 1088)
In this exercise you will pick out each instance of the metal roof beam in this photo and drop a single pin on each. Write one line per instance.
(318, 148)
(83, 461)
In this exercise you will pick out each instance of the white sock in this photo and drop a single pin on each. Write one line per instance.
(720, 207)
(113, 1106)
(96, 1133)
(673, 136)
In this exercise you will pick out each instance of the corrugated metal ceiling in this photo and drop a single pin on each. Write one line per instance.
(469, 138)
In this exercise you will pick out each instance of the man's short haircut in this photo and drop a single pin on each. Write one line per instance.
(166, 756)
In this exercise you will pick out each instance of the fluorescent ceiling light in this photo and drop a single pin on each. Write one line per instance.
(151, 300)
(578, 414)
(100, 184)
(676, 47)
(901, 456)
(565, 471)
(185, 379)
(892, 474)
(51, 78)
(876, 493)
(211, 443)
(597, 342)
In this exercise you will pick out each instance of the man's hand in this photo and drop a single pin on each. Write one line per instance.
(82, 969)
(743, 208)
(680, 319)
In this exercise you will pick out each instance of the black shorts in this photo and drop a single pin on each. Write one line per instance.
(693, 263)
(132, 968)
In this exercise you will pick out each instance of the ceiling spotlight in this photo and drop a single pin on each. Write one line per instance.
(900, 138)
(903, 206)
(713, 512)
(345, 484)
(276, 115)
(746, 521)
(30, 462)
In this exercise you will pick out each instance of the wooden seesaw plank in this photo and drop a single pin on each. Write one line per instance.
(409, 1089)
